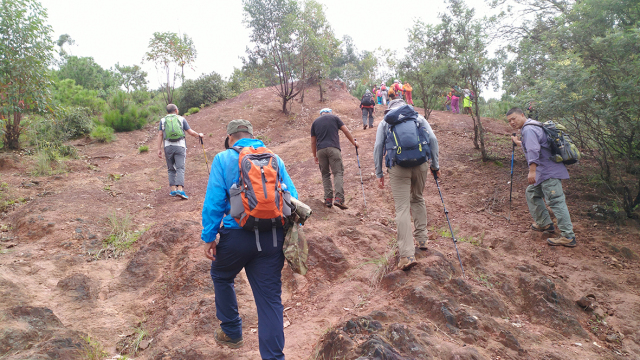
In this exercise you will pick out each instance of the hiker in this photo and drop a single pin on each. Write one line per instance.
(407, 175)
(379, 97)
(368, 106)
(172, 130)
(447, 101)
(384, 94)
(257, 251)
(466, 102)
(454, 101)
(397, 88)
(325, 146)
(545, 180)
(407, 91)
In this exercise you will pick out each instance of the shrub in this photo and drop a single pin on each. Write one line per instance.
(143, 149)
(207, 89)
(67, 93)
(103, 134)
(193, 110)
(124, 116)
(75, 121)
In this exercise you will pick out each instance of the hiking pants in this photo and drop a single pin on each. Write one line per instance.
(407, 185)
(551, 191)
(237, 249)
(367, 112)
(409, 99)
(384, 99)
(379, 100)
(454, 105)
(330, 161)
(175, 156)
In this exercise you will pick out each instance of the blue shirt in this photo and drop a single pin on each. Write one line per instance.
(224, 173)
(538, 151)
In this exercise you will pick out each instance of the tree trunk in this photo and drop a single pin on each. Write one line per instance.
(284, 105)
(12, 132)
(478, 129)
(321, 91)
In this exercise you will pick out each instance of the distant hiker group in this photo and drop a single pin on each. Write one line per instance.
(251, 201)
(453, 98)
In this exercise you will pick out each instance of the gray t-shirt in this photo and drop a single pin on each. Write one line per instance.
(181, 142)
(537, 150)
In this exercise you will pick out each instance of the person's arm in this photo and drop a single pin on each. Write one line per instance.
(532, 149)
(378, 150)
(286, 179)
(348, 135)
(433, 144)
(160, 143)
(215, 201)
(314, 144)
(194, 134)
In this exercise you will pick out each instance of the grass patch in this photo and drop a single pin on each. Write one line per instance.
(92, 349)
(121, 235)
(382, 264)
(103, 134)
(143, 149)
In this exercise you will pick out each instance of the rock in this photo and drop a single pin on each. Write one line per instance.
(325, 255)
(599, 313)
(612, 338)
(585, 302)
(144, 344)
(507, 339)
(377, 348)
(336, 344)
(362, 325)
(379, 315)
(77, 286)
(394, 280)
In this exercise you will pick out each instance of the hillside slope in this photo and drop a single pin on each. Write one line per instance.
(517, 301)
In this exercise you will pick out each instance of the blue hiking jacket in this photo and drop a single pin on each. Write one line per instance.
(224, 173)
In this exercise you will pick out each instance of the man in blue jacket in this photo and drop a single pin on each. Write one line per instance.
(236, 249)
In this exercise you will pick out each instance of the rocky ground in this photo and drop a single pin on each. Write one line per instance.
(63, 294)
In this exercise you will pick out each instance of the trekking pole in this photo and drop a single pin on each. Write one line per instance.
(361, 183)
(446, 213)
(205, 155)
(513, 151)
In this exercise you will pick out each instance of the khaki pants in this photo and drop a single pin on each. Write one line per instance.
(407, 185)
(330, 161)
(551, 191)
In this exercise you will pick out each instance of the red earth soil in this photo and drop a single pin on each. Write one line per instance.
(517, 300)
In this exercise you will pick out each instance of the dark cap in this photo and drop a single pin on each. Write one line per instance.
(239, 126)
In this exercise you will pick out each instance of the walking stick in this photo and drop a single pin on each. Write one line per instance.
(205, 156)
(446, 213)
(361, 183)
(513, 151)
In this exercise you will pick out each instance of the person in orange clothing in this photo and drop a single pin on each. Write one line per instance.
(407, 91)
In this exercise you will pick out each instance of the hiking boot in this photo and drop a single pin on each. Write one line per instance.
(340, 203)
(364, 127)
(181, 194)
(173, 193)
(548, 228)
(562, 241)
(422, 245)
(407, 263)
(328, 202)
(222, 339)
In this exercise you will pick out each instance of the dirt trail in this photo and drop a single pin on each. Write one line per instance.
(518, 300)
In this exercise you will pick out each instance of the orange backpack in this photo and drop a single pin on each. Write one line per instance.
(258, 202)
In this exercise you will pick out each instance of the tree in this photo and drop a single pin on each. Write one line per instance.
(318, 45)
(132, 77)
(425, 68)
(169, 52)
(275, 37)
(26, 50)
(64, 39)
(87, 73)
(466, 41)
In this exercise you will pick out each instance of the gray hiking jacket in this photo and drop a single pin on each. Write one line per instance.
(378, 149)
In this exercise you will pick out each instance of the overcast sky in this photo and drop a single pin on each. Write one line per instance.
(119, 30)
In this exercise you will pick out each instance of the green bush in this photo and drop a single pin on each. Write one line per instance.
(143, 149)
(75, 121)
(67, 93)
(124, 116)
(193, 110)
(207, 89)
(103, 133)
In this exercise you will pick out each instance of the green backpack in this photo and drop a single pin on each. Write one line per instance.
(563, 150)
(173, 128)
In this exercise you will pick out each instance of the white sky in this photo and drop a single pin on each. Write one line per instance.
(120, 30)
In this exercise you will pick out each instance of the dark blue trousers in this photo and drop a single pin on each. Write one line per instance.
(237, 249)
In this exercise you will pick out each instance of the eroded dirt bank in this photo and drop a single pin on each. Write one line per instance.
(518, 300)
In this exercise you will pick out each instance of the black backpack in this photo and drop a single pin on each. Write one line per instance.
(367, 99)
(407, 143)
(563, 149)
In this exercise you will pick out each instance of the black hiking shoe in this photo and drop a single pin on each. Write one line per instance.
(548, 228)
(364, 127)
(222, 339)
(340, 203)
(328, 202)
(562, 241)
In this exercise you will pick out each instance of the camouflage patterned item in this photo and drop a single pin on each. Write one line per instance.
(296, 249)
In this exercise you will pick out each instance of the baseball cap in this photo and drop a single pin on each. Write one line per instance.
(325, 110)
(238, 126)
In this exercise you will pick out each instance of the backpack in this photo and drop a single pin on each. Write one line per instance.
(383, 88)
(563, 150)
(407, 143)
(258, 201)
(367, 99)
(173, 128)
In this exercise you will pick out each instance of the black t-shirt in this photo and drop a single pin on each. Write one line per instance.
(325, 129)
